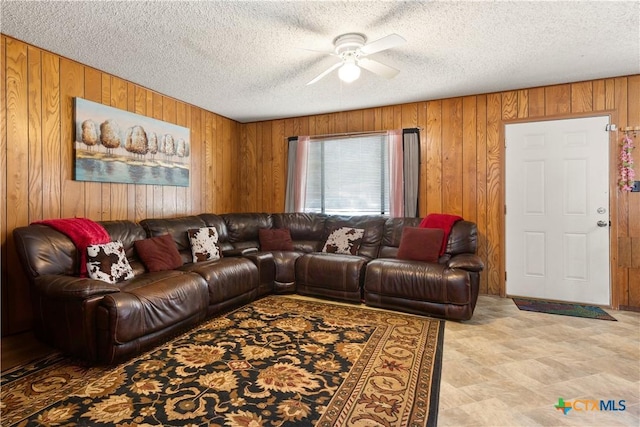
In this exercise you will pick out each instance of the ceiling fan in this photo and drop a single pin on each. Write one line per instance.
(353, 52)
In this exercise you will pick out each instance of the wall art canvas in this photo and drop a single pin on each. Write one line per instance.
(113, 145)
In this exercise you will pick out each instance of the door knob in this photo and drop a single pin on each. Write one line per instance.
(602, 223)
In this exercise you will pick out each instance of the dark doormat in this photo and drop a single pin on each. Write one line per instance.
(565, 309)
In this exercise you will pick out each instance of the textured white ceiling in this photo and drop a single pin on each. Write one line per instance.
(247, 60)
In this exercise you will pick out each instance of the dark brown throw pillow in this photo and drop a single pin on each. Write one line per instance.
(158, 253)
(275, 239)
(420, 244)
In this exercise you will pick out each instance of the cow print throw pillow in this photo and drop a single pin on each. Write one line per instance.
(204, 244)
(344, 240)
(108, 262)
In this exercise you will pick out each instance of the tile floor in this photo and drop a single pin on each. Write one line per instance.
(507, 367)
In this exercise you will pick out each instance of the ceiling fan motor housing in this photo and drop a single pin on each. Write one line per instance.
(347, 45)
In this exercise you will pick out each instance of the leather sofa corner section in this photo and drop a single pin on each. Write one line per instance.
(107, 323)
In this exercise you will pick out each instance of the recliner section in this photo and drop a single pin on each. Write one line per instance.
(108, 323)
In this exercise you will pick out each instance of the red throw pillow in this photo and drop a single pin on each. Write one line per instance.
(158, 253)
(275, 239)
(420, 244)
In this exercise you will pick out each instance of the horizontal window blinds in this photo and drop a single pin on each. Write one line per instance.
(348, 176)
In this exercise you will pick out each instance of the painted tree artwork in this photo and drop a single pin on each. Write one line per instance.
(113, 145)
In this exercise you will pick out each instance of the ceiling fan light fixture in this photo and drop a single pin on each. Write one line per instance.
(349, 72)
(353, 52)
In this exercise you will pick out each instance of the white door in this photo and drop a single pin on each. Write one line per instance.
(557, 210)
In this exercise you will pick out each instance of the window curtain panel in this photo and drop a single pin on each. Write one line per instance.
(296, 174)
(300, 188)
(289, 205)
(396, 174)
(411, 148)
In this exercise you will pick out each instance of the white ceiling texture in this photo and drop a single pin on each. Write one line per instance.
(252, 60)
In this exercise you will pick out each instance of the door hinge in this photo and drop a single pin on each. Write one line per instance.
(505, 209)
(505, 276)
(611, 128)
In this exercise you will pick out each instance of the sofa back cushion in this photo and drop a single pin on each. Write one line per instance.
(275, 239)
(43, 250)
(420, 244)
(393, 235)
(204, 244)
(344, 240)
(462, 239)
(108, 262)
(177, 228)
(373, 226)
(213, 220)
(159, 253)
(243, 228)
(127, 232)
(307, 229)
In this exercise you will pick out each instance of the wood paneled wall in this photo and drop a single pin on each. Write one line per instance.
(36, 142)
(242, 167)
(462, 161)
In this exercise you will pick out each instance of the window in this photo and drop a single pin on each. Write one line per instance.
(374, 173)
(348, 176)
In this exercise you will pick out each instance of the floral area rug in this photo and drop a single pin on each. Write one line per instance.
(278, 361)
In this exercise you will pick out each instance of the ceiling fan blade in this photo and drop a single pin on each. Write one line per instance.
(324, 73)
(326, 52)
(392, 40)
(378, 68)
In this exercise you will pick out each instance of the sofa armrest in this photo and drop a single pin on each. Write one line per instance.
(259, 257)
(266, 269)
(71, 287)
(239, 252)
(469, 262)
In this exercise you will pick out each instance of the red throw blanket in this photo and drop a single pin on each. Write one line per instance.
(443, 221)
(83, 232)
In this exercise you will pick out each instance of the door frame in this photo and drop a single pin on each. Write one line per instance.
(615, 292)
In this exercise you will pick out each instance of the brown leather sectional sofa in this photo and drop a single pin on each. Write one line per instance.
(107, 323)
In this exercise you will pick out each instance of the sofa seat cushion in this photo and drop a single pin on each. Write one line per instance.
(331, 275)
(227, 278)
(152, 302)
(419, 281)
